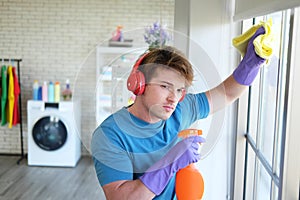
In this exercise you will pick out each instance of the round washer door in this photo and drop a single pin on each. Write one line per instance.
(49, 133)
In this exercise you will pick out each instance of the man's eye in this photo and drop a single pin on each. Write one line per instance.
(164, 86)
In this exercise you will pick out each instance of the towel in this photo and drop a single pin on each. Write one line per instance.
(262, 43)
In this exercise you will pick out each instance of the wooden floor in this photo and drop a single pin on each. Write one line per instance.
(23, 182)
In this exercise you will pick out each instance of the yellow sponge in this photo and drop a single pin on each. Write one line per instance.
(262, 43)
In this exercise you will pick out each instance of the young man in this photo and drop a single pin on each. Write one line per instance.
(136, 151)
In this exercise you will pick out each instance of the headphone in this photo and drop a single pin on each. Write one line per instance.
(136, 80)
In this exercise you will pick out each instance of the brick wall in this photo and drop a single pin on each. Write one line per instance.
(54, 37)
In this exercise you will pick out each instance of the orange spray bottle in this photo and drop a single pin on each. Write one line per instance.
(189, 183)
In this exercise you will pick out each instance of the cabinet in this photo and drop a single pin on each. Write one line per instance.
(114, 65)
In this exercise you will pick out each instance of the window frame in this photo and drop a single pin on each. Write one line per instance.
(244, 143)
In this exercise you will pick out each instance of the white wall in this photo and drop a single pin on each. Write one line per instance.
(211, 31)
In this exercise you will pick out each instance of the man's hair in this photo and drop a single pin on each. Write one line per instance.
(166, 57)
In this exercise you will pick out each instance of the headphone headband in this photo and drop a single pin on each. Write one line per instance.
(139, 61)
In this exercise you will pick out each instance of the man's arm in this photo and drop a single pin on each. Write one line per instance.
(127, 190)
(243, 76)
(156, 178)
(224, 94)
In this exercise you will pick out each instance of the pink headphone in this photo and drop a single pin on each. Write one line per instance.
(136, 81)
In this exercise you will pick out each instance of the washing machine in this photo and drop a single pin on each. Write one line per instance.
(54, 133)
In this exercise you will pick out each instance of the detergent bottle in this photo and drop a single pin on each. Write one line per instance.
(189, 183)
(35, 88)
(57, 92)
(51, 92)
(45, 92)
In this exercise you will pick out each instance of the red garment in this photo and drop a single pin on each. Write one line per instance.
(16, 117)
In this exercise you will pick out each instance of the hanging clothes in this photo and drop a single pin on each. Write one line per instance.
(16, 117)
(0, 92)
(3, 95)
(10, 97)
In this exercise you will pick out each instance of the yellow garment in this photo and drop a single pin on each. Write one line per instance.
(262, 43)
(10, 97)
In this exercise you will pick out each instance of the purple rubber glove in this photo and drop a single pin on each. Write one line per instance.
(248, 68)
(181, 155)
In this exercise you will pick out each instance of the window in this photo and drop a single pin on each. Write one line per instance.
(260, 147)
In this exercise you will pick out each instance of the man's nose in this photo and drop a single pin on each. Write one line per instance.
(172, 96)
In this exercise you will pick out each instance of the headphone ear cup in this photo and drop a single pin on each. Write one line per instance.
(182, 97)
(136, 82)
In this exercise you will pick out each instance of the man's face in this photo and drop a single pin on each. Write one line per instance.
(162, 94)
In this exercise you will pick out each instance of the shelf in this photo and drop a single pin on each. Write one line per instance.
(113, 67)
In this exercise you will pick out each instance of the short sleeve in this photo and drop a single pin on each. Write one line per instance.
(194, 107)
(111, 162)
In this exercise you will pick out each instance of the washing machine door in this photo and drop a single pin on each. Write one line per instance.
(49, 133)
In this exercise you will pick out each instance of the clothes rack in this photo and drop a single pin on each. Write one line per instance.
(18, 61)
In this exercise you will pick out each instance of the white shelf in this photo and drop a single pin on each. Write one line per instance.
(113, 67)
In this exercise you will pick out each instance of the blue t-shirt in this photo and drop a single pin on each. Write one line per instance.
(124, 147)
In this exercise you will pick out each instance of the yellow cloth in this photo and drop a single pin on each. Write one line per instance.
(10, 97)
(262, 43)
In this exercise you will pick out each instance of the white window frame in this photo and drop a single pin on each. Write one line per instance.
(289, 181)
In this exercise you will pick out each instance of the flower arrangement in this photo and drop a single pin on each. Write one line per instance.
(156, 35)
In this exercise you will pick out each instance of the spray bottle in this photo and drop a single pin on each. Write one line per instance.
(189, 183)
(67, 92)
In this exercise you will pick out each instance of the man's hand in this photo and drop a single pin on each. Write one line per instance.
(248, 68)
(181, 155)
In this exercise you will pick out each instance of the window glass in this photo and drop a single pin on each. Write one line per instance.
(263, 183)
(253, 109)
(265, 115)
(249, 178)
(268, 95)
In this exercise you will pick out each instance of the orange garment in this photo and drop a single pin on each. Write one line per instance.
(10, 97)
(16, 117)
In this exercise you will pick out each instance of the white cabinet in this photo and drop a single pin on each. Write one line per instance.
(113, 67)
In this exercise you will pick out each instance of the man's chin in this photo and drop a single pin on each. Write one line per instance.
(165, 117)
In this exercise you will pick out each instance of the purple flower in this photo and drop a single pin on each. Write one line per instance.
(156, 35)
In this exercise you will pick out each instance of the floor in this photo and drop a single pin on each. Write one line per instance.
(23, 182)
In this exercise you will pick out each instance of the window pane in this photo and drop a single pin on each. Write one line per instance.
(282, 54)
(250, 186)
(274, 192)
(254, 111)
(268, 109)
(263, 183)
(267, 92)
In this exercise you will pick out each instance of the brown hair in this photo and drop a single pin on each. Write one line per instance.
(166, 56)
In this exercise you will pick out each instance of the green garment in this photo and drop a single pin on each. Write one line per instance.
(3, 95)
